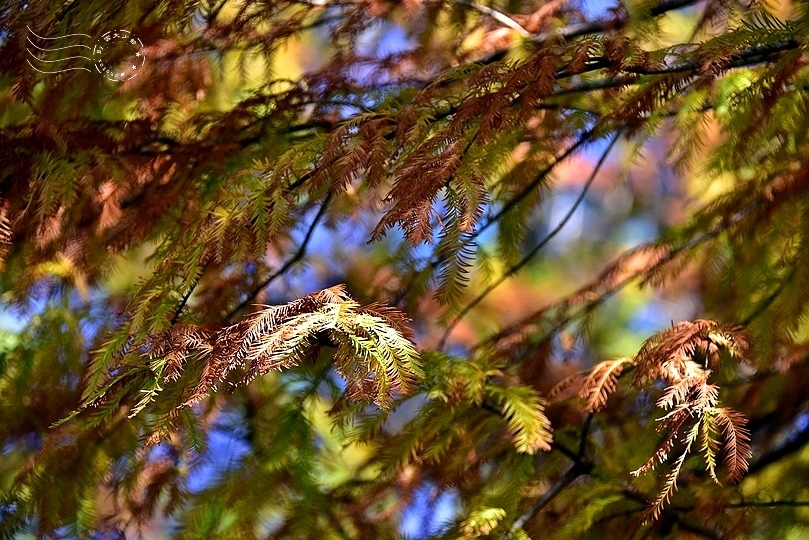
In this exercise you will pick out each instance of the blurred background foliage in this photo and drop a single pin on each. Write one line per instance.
(225, 175)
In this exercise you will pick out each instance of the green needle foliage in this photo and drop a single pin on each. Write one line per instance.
(295, 269)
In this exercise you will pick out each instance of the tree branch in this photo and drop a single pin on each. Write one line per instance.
(581, 467)
(674, 252)
(595, 27)
(772, 297)
(533, 252)
(602, 25)
(568, 478)
(769, 504)
(498, 16)
(187, 295)
(299, 254)
(795, 443)
(746, 57)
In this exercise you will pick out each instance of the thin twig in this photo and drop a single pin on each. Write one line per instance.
(568, 478)
(299, 254)
(563, 321)
(438, 260)
(498, 16)
(581, 467)
(596, 27)
(585, 433)
(532, 253)
(187, 294)
(583, 138)
(768, 301)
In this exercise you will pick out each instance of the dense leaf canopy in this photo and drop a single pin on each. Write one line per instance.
(432, 268)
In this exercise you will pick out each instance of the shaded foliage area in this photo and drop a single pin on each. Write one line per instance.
(171, 247)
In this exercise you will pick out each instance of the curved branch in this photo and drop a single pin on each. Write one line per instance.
(531, 254)
(299, 254)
